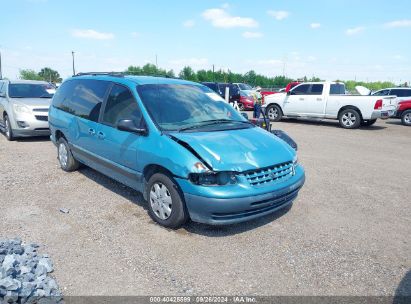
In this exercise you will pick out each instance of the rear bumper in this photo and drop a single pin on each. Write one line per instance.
(382, 114)
(230, 210)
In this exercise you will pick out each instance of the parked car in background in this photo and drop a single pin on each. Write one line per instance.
(24, 106)
(401, 93)
(243, 98)
(203, 160)
(327, 100)
(404, 112)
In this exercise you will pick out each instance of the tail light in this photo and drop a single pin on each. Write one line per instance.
(378, 105)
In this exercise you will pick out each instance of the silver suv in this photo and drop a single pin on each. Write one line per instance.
(24, 106)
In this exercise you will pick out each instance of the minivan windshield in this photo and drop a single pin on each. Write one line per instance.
(29, 90)
(184, 107)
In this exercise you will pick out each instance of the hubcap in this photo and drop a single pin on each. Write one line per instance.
(272, 113)
(407, 118)
(348, 119)
(63, 155)
(160, 200)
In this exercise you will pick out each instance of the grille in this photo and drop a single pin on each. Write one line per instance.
(41, 110)
(42, 118)
(272, 174)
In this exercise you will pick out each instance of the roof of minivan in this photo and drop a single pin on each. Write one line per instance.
(139, 80)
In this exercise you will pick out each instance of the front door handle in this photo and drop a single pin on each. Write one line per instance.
(101, 135)
(91, 131)
(319, 99)
(301, 98)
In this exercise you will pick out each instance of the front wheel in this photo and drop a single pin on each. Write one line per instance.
(8, 131)
(241, 106)
(165, 203)
(367, 123)
(406, 118)
(349, 119)
(274, 113)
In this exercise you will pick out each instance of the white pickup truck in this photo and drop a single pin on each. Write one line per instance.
(327, 100)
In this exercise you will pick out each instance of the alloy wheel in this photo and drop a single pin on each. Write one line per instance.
(349, 119)
(272, 113)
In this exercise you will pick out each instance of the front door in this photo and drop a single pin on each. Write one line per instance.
(119, 148)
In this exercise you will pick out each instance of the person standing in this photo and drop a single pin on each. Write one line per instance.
(257, 102)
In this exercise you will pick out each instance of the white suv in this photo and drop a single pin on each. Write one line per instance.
(24, 107)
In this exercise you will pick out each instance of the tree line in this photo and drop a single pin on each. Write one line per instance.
(187, 73)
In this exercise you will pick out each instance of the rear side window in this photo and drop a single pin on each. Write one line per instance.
(82, 97)
(301, 89)
(337, 89)
(317, 89)
(401, 92)
(382, 93)
(121, 105)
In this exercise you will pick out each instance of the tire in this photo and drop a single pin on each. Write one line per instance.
(241, 106)
(8, 131)
(165, 203)
(367, 123)
(274, 113)
(349, 119)
(66, 160)
(406, 118)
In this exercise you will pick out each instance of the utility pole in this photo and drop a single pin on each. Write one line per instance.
(156, 63)
(213, 74)
(74, 70)
(1, 72)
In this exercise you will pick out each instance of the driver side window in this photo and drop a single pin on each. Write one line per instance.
(121, 104)
(301, 90)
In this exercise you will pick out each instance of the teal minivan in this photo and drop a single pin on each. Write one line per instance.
(189, 152)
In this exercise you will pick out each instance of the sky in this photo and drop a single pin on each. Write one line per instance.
(368, 40)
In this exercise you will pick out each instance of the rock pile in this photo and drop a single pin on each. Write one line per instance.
(24, 274)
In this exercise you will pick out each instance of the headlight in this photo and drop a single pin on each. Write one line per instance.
(20, 108)
(213, 178)
(295, 164)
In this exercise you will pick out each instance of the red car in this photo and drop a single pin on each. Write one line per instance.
(246, 101)
(404, 112)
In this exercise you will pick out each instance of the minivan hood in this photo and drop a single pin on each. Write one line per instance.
(238, 150)
(33, 102)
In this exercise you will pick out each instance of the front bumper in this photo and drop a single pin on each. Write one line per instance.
(226, 208)
(28, 124)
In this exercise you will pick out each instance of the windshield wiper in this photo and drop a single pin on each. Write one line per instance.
(213, 122)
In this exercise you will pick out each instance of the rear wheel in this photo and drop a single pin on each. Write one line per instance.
(7, 128)
(66, 159)
(367, 123)
(274, 113)
(165, 203)
(406, 118)
(349, 119)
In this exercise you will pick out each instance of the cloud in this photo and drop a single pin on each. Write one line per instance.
(279, 15)
(354, 30)
(135, 34)
(398, 23)
(251, 35)
(315, 25)
(189, 23)
(91, 34)
(220, 18)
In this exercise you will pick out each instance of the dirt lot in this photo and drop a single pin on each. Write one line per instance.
(348, 233)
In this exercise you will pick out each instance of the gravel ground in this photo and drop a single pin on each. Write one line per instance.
(348, 233)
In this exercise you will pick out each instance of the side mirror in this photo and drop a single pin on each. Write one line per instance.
(129, 125)
(244, 115)
(2, 95)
